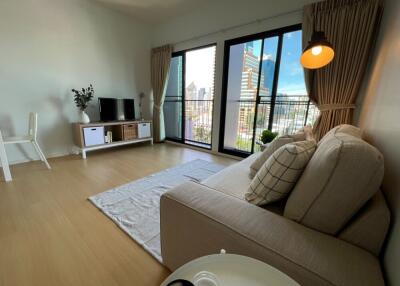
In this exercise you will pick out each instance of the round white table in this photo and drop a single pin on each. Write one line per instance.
(233, 270)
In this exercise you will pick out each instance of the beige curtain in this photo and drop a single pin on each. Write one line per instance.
(160, 62)
(351, 26)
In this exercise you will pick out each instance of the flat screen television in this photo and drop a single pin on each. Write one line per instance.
(116, 109)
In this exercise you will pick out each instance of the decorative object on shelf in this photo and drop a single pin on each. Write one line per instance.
(141, 97)
(318, 53)
(82, 98)
(109, 137)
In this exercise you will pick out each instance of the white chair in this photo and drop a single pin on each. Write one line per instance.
(30, 138)
(4, 160)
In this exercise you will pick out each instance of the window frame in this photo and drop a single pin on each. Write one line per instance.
(182, 53)
(224, 93)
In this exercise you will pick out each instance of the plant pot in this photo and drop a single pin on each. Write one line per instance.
(84, 117)
(264, 146)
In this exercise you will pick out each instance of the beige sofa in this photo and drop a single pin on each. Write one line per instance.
(330, 230)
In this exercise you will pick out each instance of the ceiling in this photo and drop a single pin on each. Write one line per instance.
(155, 11)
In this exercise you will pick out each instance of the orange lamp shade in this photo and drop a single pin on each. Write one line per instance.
(318, 53)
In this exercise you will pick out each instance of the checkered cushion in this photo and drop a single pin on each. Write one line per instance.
(280, 172)
(272, 147)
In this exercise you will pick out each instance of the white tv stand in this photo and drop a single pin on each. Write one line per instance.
(90, 137)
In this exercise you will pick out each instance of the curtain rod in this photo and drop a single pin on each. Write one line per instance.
(257, 21)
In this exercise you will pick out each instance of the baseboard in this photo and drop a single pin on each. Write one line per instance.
(72, 152)
(53, 155)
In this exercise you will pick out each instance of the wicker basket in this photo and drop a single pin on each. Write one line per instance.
(129, 131)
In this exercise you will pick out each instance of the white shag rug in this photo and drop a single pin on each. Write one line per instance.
(135, 207)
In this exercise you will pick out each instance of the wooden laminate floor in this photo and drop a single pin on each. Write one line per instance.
(50, 234)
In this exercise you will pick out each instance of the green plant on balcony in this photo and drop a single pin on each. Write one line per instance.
(267, 136)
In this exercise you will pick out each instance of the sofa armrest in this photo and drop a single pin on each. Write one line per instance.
(197, 221)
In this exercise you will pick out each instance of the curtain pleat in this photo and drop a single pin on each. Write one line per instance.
(351, 26)
(160, 62)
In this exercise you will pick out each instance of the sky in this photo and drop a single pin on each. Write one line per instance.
(200, 67)
(200, 64)
(291, 77)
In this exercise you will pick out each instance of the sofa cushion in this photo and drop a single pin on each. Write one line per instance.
(343, 128)
(369, 227)
(279, 173)
(272, 147)
(344, 173)
(233, 180)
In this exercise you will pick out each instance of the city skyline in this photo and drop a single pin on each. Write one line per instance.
(291, 75)
(245, 81)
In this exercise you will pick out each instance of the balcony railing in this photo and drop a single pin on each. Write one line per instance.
(197, 124)
(288, 117)
(198, 121)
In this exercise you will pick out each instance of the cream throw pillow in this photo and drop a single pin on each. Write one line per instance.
(272, 147)
(343, 128)
(280, 172)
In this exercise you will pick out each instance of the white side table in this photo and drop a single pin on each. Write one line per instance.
(233, 270)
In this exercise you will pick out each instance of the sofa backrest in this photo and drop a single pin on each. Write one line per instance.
(368, 228)
(343, 128)
(344, 173)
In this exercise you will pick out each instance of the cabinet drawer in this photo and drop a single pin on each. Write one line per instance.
(144, 130)
(129, 131)
(93, 135)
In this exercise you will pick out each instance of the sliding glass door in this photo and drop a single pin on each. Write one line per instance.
(188, 105)
(263, 88)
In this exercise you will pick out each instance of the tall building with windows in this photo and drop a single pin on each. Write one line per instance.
(249, 84)
(246, 72)
(267, 75)
(249, 72)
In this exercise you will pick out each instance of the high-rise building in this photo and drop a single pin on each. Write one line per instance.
(201, 93)
(191, 91)
(250, 69)
(267, 74)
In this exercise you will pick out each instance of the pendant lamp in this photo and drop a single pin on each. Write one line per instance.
(318, 53)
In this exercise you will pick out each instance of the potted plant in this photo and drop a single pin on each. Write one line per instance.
(82, 98)
(266, 137)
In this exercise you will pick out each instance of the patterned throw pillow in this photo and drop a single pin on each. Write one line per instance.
(280, 172)
(272, 147)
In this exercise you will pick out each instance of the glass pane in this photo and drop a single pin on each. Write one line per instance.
(199, 95)
(313, 113)
(173, 100)
(244, 62)
(291, 74)
(268, 67)
(266, 85)
(291, 99)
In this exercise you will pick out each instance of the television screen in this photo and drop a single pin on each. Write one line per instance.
(129, 109)
(113, 109)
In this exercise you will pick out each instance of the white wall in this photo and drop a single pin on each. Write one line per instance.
(379, 117)
(221, 15)
(48, 47)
